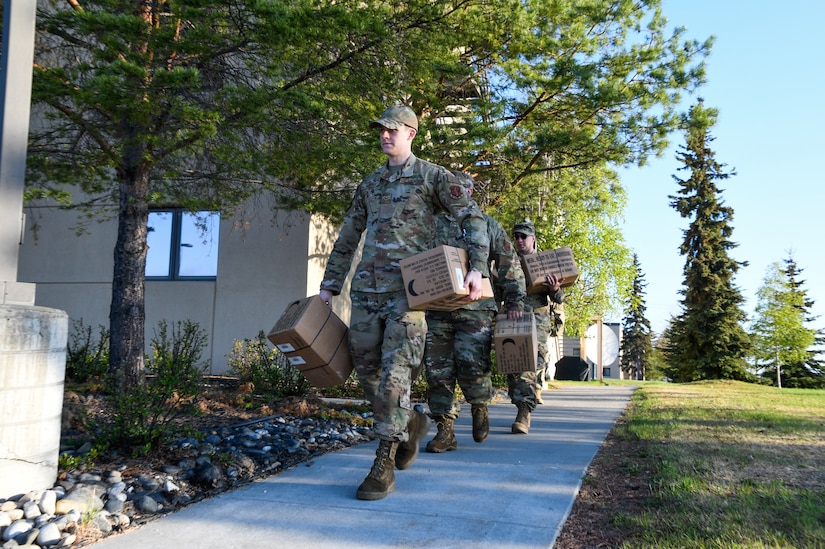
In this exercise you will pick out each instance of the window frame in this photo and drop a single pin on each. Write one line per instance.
(175, 245)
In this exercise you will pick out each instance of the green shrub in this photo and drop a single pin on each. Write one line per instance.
(144, 416)
(351, 389)
(419, 387)
(68, 462)
(87, 356)
(499, 380)
(255, 361)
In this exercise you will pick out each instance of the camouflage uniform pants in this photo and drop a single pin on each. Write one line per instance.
(458, 351)
(521, 387)
(544, 328)
(386, 340)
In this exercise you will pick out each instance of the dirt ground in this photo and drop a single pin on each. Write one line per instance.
(614, 485)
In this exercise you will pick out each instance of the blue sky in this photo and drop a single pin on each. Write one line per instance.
(766, 75)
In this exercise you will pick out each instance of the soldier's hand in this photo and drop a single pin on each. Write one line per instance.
(552, 282)
(473, 282)
(515, 314)
(326, 296)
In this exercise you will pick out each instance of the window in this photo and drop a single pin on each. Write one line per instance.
(182, 245)
(605, 372)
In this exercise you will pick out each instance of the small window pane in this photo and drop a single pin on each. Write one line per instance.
(199, 244)
(159, 240)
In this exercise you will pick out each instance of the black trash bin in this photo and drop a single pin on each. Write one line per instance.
(572, 368)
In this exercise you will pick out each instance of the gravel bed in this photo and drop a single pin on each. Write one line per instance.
(86, 506)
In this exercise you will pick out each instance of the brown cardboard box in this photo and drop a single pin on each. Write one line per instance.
(559, 262)
(434, 280)
(516, 344)
(324, 374)
(313, 338)
(301, 323)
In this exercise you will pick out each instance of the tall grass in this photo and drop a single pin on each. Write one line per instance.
(732, 465)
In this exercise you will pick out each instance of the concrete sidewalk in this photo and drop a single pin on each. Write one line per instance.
(511, 491)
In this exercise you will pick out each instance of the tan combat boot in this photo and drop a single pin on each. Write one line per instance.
(444, 440)
(380, 481)
(522, 423)
(417, 426)
(481, 422)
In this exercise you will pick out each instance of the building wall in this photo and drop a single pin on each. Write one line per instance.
(572, 346)
(264, 262)
(73, 273)
(322, 238)
(610, 356)
(586, 349)
(611, 361)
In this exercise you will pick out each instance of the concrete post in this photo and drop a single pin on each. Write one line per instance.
(32, 368)
(15, 108)
(32, 339)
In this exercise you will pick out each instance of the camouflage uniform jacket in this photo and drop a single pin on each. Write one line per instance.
(508, 279)
(397, 211)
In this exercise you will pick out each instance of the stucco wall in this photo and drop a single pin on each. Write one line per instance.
(321, 240)
(73, 273)
(264, 261)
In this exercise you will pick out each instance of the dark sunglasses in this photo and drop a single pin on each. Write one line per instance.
(519, 236)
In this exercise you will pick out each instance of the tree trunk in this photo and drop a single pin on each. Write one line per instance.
(127, 316)
(778, 372)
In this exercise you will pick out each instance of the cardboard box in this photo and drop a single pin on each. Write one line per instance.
(434, 280)
(559, 262)
(301, 323)
(314, 339)
(516, 344)
(324, 374)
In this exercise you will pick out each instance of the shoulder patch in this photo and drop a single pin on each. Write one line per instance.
(457, 191)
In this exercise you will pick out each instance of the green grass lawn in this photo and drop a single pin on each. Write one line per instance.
(729, 465)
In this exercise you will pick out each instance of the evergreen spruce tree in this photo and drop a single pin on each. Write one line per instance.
(636, 345)
(707, 339)
(656, 368)
(811, 373)
(782, 341)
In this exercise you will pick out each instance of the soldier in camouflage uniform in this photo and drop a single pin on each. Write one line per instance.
(525, 388)
(458, 342)
(396, 206)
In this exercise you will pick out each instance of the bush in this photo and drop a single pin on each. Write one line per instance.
(87, 357)
(255, 361)
(499, 380)
(351, 389)
(144, 416)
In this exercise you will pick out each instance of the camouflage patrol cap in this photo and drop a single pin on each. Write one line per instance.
(395, 117)
(525, 227)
